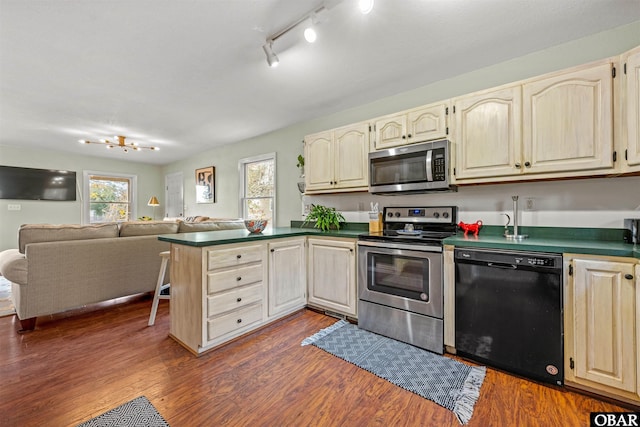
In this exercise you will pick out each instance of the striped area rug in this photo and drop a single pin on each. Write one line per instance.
(6, 305)
(138, 412)
(447, 382)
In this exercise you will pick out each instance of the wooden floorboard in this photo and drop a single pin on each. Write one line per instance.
(78, 365)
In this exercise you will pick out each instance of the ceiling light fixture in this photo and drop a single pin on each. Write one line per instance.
(272, 58)
(366, 6)
(309, 34)
(126, 146)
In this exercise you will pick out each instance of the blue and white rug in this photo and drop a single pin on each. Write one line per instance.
(138, 412)
(6, 304)
(447, 382)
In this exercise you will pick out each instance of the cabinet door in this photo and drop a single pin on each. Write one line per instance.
(428, 123)
(391, 131)
(568, 121)
(632, 108)
(487, 134)
(287, 276)
(332, 275)
(604, 322)
(351, 149)
(318, 154)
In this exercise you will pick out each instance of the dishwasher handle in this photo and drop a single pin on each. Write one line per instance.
(505, 266)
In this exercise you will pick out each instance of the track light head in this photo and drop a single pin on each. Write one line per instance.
(272, 58)
(310, 34)
(366, 6)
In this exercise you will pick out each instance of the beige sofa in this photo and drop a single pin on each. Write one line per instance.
(62, 267)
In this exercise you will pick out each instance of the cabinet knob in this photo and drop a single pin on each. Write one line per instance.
(404, 136)
(239, 320)
(518, 165)
(273, 250)
(628, 276)
(238, 256)
(527, 164)
(350, 249)
(409, 136)
(238, 278)
(239, 299)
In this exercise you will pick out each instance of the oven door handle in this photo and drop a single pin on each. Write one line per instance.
(505, 266)
(387, 245)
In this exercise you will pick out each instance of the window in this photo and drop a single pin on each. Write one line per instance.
(108, 197)
(258, 187)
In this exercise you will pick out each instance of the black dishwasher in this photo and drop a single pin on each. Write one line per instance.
(509, 311)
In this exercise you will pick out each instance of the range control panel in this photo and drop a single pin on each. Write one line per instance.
(434, 214)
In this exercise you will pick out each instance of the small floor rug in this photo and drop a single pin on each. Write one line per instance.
(6, 305)
(447, 382)
(138, 412)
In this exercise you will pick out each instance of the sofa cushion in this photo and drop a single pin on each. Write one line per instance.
(36, 233)
(230, 224)
(192, 227)
(145, 228)
(13, 266)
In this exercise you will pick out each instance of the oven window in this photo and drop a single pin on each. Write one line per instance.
(399, 275)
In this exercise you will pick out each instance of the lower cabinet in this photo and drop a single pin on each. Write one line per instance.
(602, 317)
(332, 275)
(287, 276)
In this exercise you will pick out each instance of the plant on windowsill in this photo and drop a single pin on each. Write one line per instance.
(326, 218)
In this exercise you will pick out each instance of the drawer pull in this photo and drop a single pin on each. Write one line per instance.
(238, 256)
(238, 278)
(239, 299)
(239, 320)
(628, 276)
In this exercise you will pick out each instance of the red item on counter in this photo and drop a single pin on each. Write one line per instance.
(474, 228)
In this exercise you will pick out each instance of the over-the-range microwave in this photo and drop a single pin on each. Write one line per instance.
(417, 168)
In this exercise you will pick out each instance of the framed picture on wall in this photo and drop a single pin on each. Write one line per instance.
(205, 185)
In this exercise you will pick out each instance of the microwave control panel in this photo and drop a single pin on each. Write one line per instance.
(438, 165)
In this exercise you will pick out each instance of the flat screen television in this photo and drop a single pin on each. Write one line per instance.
(37, 184)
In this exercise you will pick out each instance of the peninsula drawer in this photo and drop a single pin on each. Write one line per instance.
(233, 321)
(219, 258)
(234, 299)
(228, 279)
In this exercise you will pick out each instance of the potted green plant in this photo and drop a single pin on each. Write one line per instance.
(325, 218)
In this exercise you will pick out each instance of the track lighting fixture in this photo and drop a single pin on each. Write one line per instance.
(310, 34)
(126, 146)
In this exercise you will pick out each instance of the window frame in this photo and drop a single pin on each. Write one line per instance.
(243, 188)
(133, 193)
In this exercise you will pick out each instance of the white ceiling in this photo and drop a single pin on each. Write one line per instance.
(187, 75)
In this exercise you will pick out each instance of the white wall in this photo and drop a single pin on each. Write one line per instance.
(150, 182)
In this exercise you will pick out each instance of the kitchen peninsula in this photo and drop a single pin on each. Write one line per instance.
(227, 283)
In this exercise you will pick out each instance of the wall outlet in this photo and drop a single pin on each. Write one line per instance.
(14, 207)
(529, 204)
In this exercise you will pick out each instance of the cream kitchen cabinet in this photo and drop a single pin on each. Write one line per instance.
(332, 275)
(217, 293)
(487, 136)
(602, 313)
(411, 126)
(568, 121)
(337, 160)
(630, 117)
(557, 125)
(287, 276)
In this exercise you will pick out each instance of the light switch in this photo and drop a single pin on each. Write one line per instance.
(14, 207)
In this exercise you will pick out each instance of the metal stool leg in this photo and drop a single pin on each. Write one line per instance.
(160, 286)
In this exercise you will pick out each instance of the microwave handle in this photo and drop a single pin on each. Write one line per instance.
(429, 170)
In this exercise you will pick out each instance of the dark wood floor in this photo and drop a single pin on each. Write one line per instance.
(74, 367)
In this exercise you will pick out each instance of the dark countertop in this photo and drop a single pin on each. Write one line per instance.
(608, 242)
(222, 237)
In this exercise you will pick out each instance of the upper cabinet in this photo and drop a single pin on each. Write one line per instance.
(558, 125)
(337, 160)
(568, 121)
(411, 126)
(631, 110)
(487, 133)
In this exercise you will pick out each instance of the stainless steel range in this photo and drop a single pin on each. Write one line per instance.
(400, 275)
